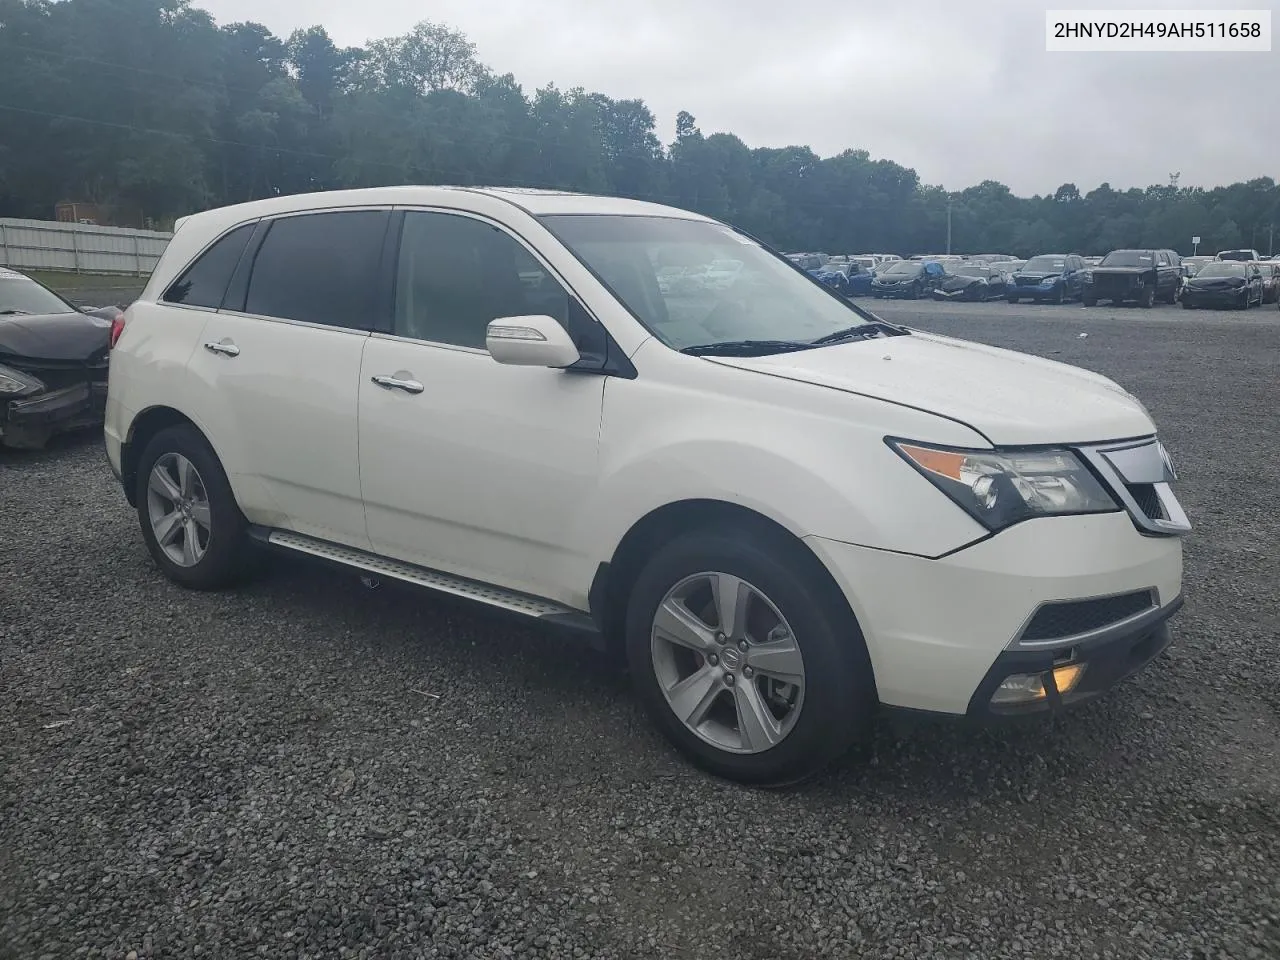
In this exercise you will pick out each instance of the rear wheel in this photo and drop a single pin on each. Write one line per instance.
(745, 660)
(190, 520)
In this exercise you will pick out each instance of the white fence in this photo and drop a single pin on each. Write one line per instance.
(79, 247)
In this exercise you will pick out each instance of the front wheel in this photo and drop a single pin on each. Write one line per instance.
(1061, 296)
(745, 659)
(190, 520)
(1148, 298)
(1089, 301)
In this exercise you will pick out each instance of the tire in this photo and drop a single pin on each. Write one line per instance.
(1012, 299)
(1148, 299)
(836, 699)
(1089, 301)
(1186, 305)
(1061, 297)
(223, 554)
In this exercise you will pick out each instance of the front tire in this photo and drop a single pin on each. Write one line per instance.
(1148, 298)
(1089, 301)
(745, 659)
(190, 520)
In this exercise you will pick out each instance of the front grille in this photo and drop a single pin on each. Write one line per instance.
(1068, 618)
(1026, 282)
(1144, 495)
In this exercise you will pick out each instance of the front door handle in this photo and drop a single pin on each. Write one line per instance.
(399, 383)
(225, 347)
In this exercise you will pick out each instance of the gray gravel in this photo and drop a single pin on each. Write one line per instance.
(305, 768)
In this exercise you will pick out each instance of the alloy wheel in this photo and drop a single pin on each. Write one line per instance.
(727, 663)
(178, 509)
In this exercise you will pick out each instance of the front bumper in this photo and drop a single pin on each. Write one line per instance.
(894, 290)
(54, 411)
(937, 628)
(1039, 291)
(973, 292)
(1213, 298)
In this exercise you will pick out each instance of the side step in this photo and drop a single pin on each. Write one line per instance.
(521, 604)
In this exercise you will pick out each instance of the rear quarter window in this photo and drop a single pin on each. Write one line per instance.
(204, 283)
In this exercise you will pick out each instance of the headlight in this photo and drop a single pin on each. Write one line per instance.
(1087, 276)
(14, 382)
(999, 488)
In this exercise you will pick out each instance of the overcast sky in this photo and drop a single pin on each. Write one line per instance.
(960, 91)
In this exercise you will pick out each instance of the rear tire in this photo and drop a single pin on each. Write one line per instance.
(190, 520)
(834, 699)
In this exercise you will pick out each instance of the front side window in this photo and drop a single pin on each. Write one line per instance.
(320, 268)
(204, 283)
(764, 299)
(457, 274)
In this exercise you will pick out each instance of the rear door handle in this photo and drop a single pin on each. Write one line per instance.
(225, 347)
(399, 383)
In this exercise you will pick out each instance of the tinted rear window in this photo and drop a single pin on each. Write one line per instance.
(321, 268)
(204, 282)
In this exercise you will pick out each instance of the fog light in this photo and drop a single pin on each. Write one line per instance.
(1030, 687)
(1067, 676)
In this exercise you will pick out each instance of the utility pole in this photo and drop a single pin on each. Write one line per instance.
(948, 226)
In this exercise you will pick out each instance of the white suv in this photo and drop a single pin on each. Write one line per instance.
(784, 510)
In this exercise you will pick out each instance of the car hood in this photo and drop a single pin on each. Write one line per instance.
(1011, 398)
(76, 337)
(1209, 283)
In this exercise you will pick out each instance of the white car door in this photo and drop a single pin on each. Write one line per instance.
(275, 381)
(466, 465)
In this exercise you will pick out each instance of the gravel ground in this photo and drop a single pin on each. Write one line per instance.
(309, 769)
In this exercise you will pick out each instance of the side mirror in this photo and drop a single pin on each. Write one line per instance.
(532, 341)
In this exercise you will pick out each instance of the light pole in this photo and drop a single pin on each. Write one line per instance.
(948, 226)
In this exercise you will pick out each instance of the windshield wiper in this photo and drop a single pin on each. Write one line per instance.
(745, 348)
(861, 331)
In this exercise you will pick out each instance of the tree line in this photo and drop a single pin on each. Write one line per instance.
(149, 105)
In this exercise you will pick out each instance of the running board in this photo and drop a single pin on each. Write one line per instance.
(521, 604)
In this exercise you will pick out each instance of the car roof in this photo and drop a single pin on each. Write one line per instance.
(533, 201)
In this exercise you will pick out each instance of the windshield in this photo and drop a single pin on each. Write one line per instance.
(765, 300)
(1221, 269)
(22, 295)
(1236, 255)
(1046, 264)
(1128, 258)
(908, 267)
(865, 262)
(969, 270)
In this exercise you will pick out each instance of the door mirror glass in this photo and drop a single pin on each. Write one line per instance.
(530, 341)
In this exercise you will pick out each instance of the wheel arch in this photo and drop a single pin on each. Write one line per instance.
(146, 425)
(610, 587)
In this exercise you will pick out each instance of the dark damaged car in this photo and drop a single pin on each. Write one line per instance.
(971, 281)
(908, 279)
(1224, 283)
(53, 362)
(1134, 276)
